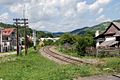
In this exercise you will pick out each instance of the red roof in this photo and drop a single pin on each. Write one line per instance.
(7, 31)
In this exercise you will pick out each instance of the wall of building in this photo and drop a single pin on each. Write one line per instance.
(109, 38)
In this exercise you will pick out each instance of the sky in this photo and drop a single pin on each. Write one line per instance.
(60, 15)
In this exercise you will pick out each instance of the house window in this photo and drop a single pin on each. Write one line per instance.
(5, 38)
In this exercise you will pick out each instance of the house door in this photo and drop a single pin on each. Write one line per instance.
(6, 49)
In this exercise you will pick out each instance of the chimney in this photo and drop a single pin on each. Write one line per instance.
(97, 33)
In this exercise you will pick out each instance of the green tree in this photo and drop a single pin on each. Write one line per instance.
(67, 38)
(48, 42)
(78, 43)
(49, 35)
(82, 42)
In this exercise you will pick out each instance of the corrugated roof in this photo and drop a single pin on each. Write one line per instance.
(109, 43)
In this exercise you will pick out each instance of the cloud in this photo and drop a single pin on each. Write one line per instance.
(9, 2)
(100, 11)
(82, 7)
(16, 8)
(102, 18)
(70, 13)
(98, 4)
(4, 17)
(57, 15)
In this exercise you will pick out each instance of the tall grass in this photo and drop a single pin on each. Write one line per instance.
(36, 67)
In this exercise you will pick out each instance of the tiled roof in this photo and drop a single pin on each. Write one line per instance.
(7, 31)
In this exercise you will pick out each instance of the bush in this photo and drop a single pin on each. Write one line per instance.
(76, 43)
(48, 42)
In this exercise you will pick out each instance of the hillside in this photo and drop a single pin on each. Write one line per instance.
(29, 31)
(57, 34)
(101, 27)
(79, 31)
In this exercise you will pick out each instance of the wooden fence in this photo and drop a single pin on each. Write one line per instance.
(103, 52)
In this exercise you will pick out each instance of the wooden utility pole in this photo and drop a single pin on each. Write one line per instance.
(16, 22)
(25, 25)
(25, 22)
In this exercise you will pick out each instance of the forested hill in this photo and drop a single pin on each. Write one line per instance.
(101, 27)
(29, 30)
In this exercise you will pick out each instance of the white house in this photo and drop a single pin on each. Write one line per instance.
(53, 39)
(7, 39)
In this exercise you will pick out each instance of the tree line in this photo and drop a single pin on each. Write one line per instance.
(76, 43)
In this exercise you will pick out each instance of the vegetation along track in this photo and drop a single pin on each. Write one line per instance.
(62, 57)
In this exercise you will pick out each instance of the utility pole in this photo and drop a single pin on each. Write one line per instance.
(16, 22)
(34, 39)
(24, 22)
(25, 25)
(1, 39)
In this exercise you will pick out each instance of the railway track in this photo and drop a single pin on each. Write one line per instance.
(70, 60)
(63, 58)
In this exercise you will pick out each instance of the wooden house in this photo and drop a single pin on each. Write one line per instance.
(110, 37)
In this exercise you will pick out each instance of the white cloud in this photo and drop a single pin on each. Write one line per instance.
(4, 17)
(5, 1)
(16, 8)
(100, 11)
(82, 7)
(98, 4)
(9, 2)
(102, 18)
(70, 13)
(57, 15)
(104, 1)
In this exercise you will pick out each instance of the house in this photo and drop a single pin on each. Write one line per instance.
(110, 37)
(53, 39)
(8, 39)
(1, 48)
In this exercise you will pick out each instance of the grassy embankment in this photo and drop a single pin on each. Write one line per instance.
(111, 64)
(35, 67)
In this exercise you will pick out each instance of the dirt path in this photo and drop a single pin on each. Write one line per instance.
(7, 53)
